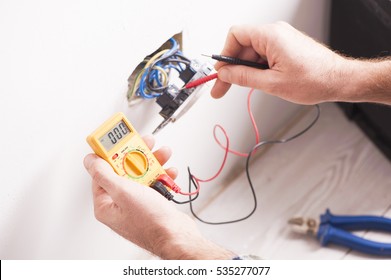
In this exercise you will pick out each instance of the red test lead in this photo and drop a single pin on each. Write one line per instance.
(201, 81)
(168, 182)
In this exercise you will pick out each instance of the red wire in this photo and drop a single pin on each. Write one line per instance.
(195, 192)
(254, 124)
(224, 159)
(226, 147)
(255, 127)
(198, 180)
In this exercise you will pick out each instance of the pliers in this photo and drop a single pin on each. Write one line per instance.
(335, 229)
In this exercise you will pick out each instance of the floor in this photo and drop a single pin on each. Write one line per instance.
(332, 166)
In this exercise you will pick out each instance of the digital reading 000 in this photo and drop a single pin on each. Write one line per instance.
(117, 142)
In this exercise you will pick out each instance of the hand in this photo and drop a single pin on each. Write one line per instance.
(144, 217)
(301, 69)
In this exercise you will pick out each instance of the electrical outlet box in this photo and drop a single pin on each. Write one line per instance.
(162, 76)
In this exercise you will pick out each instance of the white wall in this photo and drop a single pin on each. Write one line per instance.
(64, 67)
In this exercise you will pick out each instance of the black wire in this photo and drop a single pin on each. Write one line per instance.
(191, 180)
(177, 60)
(253, 149)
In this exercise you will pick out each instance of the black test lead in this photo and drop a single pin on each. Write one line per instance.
(238, 61)
(229, 60)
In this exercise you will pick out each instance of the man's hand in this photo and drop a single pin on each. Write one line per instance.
(143, 216)
(301, 70)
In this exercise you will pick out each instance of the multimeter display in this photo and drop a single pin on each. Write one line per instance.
(117, 142)
(114, 135)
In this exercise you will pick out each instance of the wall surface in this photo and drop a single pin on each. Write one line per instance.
(64, 67)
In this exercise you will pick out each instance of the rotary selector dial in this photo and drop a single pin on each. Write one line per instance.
(135, 163)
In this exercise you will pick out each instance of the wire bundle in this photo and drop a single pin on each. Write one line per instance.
(195, 181)
(153, 79)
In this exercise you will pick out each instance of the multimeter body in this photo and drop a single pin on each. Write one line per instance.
(117, 142)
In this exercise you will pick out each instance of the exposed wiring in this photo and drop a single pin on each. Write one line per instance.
(153, 79)
(196, 181)
(136, 83)
(193, 180)
(156, 56)
(174, 60)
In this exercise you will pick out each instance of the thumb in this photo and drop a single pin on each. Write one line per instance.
(247, 76)
(104, 176)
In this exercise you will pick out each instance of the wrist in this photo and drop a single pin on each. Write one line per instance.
(188, 244)
(366, 81)
(196, 249)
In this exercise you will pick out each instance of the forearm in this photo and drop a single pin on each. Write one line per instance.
(366, 81)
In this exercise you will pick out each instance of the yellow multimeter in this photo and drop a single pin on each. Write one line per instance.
(117, 142)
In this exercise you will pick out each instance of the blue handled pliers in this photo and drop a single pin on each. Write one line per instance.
(335, 229)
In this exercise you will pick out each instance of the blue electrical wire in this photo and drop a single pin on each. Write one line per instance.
(173, 50)
(155, 77)
(142, 87)
(151, 85)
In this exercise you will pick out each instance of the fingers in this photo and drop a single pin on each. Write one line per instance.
(105, 189)
(172, 172)
(248, 77)
(149, 140)
(237, 39)
(242, 42)
(104, 206)
(163, 155)
(108, 188)
(219, 89)
(245, 42)
(103, 176)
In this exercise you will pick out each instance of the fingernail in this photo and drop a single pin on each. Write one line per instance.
(223, 72)
(148, 137)
(174, 171)
(167, 150)
(88, 160)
